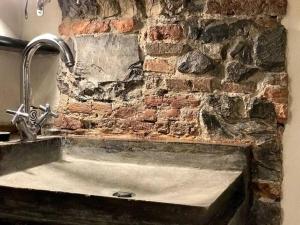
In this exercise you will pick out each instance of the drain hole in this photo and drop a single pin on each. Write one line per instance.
(124, 194)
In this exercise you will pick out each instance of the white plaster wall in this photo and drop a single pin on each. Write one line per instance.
(48, 23)
(44, 67)
(11, 25)
(11, 18)
(291, 140)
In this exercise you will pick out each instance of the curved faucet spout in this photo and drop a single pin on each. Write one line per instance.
(28, 126)
(31, 48)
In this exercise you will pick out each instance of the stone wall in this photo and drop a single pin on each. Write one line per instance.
(186, 69)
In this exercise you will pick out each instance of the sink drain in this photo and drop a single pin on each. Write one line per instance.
(124, 194)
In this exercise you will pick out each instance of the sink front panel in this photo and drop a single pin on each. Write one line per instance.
(17, 156)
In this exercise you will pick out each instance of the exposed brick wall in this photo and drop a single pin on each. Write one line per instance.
(209, 69)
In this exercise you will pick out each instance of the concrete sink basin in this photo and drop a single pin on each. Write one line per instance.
(79, 181)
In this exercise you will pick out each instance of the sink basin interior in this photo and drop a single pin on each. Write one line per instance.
(176, 185)
(167, 183)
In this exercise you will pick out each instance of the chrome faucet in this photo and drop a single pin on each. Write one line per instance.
(29, 127)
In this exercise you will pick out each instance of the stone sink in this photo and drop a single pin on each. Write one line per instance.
(80, 181)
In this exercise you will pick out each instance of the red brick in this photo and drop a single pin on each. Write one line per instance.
(282, 112)
(178, 102)
(169, 114)
(276, 94)
(97, 26)
(153, 101)
(149, 115)
(271, 190)
(67, 122)
(281, 79)
(159, 66)
(246, 88)
(123, 25)
(77, 27)
(178, 85)
(124, 112)
(64, 29)
(166, 32)
(205, 84)
(213, 7)
(102, 108)
(78, 107)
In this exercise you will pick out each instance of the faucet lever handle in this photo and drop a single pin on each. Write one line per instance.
(47, 109)
(18, 114)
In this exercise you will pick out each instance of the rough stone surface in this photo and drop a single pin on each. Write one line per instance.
(237, 72)
(242, 51)
(266, 212)
(231, 108)
(87, 88)
(262, 109)
(130, 8)
(270, 48)
(215, 32)
(247, 7)
(108, 8)
(184, 69)
(267, 161)
(166, 32)
(153, 7)
(215, 125)
(87, 8)
(194, 62)
(117, 54)
(173, 7)
(214, 51)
